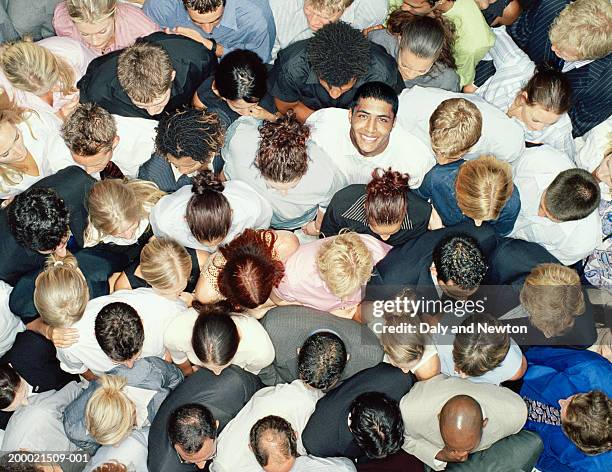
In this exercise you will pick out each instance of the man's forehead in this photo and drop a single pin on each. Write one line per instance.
(374, 106)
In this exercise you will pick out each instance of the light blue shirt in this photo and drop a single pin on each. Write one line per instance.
(244, 24)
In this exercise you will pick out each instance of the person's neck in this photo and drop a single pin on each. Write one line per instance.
(514, 110)
(28, 166)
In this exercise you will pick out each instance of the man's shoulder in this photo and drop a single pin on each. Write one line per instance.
(293, 55)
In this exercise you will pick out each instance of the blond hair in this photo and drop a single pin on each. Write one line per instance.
(329, 6)
(109, 414)
(61, 292)
(483, 187)
(586, 27)
(10, 175)
(345, 263)
(553, 297)
(33, 68)
(454, 127)
(113, 202)
(90, 11)
(165, 264)
(144, 71)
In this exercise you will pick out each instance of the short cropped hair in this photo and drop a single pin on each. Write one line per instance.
(483, 187)
(165, 264)
(586, 26)
(276, 431)
(119, 331)
(89, 130)
(190, 133)
(376, 91)
(476, 353)
(458, 257)
(454, 127)
(550, 89)
(241, 75)
(339, 53)
(9, 383)
(203, 6)
(329, 6)
(38, 219)
(190, 425)
(588, 422)
(553, 297)
(573, 195)
(282, 155)
(376, 424)
(215, 338)
(321, 360)
(144, 71)
(345, 263)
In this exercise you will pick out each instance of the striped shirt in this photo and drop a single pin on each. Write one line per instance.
(513, 70)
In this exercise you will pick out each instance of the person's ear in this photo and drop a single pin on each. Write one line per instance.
(350, 114)
(484, 422)
(524, 97)
(216, 423)
(296, 435)
(348, 356)
(173, 76)
(116, 140)
(297, 351)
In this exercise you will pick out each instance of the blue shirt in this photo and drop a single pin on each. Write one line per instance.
(439, 187)
(244, 24)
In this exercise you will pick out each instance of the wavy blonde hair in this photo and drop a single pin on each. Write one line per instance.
(12, 115)
(33, 68)
(112, 202)
(109, 414)
(454, 127)
(90, 11)
(61, 292)
(483, 187)
(165, 264)
(345, 263)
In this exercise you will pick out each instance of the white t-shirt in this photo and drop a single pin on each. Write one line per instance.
(255, 350)
(10, 325)
(569, 241)
(136, 144)
(249, 211)
(501, 136)
(295, 402)
(330, 129)
(592, 147)
(156, 312)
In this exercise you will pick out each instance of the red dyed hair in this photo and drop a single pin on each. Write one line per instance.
(386, 201)
(250, 271)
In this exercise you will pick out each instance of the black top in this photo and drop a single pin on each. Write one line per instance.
(347, 210)
(34, 359)
(224, 395)
(192, 62)
(72, 184)
(494, 10)
(327, 434)
(294, 80)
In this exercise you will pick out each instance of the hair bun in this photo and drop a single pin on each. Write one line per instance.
(387, 182)
(204, 181)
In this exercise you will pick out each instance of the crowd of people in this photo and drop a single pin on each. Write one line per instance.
(306, 235)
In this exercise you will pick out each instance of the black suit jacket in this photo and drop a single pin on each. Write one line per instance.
(34, 359)
(191, 61)
(290, 326)
(327, 433)
(72, 184)
(224, 395)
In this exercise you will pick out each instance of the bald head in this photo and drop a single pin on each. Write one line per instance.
(461, 424)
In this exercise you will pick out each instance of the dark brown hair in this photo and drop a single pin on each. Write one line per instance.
(215, 337)
(250, 270)
(386, 201)
(550, 89)
(282, 155)
(208, 213)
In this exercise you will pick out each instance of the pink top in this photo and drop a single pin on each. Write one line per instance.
(130, 23)
(302, 282)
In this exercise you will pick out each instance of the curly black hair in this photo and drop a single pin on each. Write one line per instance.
(339, 53)
(190, 133)
(38, 219)
(119, 331)
(459, 258)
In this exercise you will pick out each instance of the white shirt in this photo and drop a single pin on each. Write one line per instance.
(136, 144)
(292, 26)
(569, 241)
(36, 138)
(295, 402)
(501, 136)
(10, 325)
(320, 464)
(592, 147)
(155, 311)
(249, 211)
(513, 69)
(314, 190)
(255, 350)
(330, 129)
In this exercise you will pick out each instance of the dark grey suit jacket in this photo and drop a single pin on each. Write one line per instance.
(289, 326)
